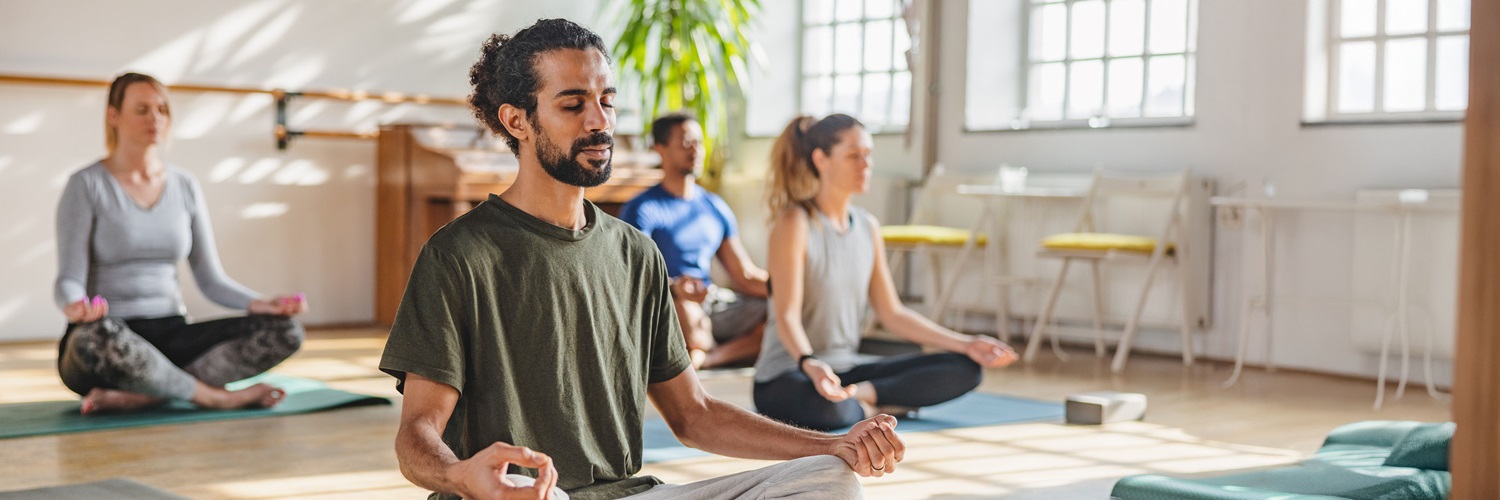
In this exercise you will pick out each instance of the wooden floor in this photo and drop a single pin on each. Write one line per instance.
(1193, 426)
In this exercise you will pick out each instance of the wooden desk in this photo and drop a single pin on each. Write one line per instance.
(427, 175)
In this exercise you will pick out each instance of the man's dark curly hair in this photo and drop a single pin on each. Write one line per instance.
(661, 128)
(506, 71)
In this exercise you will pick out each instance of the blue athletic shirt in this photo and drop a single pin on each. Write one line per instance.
(687, 231)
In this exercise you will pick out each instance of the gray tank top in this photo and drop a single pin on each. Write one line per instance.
(835, 292)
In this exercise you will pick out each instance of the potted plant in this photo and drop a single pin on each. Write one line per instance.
(687, 55)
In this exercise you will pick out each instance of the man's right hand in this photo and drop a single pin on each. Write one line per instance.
(826, 382)
(689, 288)
(482, 476)
(87, 310)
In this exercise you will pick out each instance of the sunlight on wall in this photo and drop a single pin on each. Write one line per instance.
(357, 172)
(259, 170)
(37, 252)
(201, 117)
(263, 211)
(440, 36)
(249, 106)
(226, 33)
(300, 173)
(20, 227)
(265, 37)
(363, 110)
(9, 308)
(169, 62)
(298, 70)
(421, 9)
(226, 169)
(304, 111)
(26, 124)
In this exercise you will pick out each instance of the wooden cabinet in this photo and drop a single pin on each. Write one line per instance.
(427, 175)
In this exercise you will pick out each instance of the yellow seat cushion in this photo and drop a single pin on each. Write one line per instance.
(930, 235)
(1101, 242)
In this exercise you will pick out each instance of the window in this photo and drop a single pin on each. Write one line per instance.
(1388, 59)
(854, 61)
(1087, 63)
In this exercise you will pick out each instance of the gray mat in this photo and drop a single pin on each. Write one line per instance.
(121, 489)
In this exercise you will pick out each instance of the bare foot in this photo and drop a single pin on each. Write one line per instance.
(110, 400)
(255, 396)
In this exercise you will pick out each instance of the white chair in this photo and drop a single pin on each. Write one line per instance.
(1089, 243)
(924, 240)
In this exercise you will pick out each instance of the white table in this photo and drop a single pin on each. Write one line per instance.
(991, 196)
(1263, 301)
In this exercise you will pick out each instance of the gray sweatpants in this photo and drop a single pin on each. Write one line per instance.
(166, 357)
(823, 477)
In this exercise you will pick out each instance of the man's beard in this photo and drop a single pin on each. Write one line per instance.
(565, 166)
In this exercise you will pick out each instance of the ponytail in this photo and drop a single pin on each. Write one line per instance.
(794, 178)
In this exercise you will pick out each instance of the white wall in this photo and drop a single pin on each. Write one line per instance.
(1249, 104)
(295, 220)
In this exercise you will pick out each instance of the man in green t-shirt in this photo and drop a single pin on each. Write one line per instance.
(535, 326)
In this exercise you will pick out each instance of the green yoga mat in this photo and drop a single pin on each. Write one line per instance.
(61, 417)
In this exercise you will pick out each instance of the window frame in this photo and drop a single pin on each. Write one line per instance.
(1028, 64)
(803, 77)
(1333, 40)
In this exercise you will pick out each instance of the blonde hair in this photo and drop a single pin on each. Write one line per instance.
(117, 99)
(794, 178)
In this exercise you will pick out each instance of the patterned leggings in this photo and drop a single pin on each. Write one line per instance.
(165, 357)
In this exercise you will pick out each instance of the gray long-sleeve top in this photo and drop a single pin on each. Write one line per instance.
(108, 245)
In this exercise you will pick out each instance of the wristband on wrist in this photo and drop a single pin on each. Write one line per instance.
(803, 360)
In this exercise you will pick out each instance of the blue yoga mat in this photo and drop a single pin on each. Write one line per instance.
(61, 417)
(971, 410)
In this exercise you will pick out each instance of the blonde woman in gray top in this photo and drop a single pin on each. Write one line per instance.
(123, 223)
(828, 263)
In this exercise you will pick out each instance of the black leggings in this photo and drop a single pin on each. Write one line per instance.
(913, 380)
(166, 357)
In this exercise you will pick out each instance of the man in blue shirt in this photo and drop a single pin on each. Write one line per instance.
(691, 227)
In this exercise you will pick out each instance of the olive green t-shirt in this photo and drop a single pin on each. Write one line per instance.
(550, 336)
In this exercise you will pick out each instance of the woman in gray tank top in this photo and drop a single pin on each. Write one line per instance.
(123, 223)
(828, 263)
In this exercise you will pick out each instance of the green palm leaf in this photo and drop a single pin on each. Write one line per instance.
(686, 55)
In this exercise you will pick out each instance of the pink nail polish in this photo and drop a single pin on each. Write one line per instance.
(301, 297)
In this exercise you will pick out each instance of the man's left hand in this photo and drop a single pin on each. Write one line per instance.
(872, 448)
